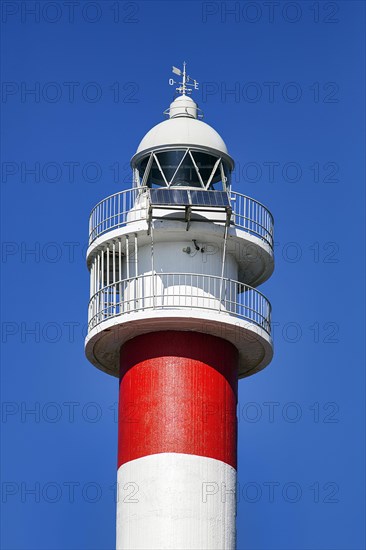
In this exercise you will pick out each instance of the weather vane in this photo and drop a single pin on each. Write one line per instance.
(187, 85)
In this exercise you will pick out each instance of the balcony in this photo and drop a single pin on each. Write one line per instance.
(132, 292)
(180, 291)
(126, 207)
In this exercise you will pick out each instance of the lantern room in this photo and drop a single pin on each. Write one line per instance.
(184, 152)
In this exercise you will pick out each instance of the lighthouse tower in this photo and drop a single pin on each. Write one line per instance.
(174, 313)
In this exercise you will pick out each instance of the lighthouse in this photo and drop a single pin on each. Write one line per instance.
(175, 315)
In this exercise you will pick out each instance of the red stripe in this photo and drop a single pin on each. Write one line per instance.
(178, 394)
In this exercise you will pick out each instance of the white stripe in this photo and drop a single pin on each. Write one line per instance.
(176, 501)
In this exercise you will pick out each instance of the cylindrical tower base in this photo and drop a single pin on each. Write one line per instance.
(177, 442)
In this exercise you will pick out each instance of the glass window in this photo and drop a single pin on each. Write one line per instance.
(227, 174)
(169, 161)
(155, 177)
(186, 175)
(180, 170)
(206, 164)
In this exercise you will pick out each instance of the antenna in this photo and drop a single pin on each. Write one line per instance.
(187, 85)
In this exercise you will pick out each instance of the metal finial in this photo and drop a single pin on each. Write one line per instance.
(187, 85)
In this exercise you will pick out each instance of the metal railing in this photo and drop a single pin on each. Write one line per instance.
(111, 212)
(180, 291)
(252, 216)
(115, 211)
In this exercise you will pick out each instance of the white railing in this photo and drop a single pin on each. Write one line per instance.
(180, 291)
(252, 216)
(112, 212)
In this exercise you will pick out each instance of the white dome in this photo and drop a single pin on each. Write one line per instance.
(182, 129)
(183, 105)
(186, 131)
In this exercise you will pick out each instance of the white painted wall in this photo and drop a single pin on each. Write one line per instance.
(184, 291)
(176, 501)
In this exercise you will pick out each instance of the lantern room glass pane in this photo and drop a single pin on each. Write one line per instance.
(155, 177)
(206, 164)
(227, 173)
(186, 175)
(181, 171)
(169, 161)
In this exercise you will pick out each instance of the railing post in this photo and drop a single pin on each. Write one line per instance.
(152, 264)
(223, 265)
(127, 256)
(136, 272)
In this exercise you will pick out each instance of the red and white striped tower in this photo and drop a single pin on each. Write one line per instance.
(174, 313)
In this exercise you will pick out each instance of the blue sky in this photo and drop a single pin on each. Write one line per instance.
(295, 126)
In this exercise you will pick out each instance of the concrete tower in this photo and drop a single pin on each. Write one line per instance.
(174, 313)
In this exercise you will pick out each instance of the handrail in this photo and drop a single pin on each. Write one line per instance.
(180, 291)
(252, 216)
(113, 212)
(253, 200)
